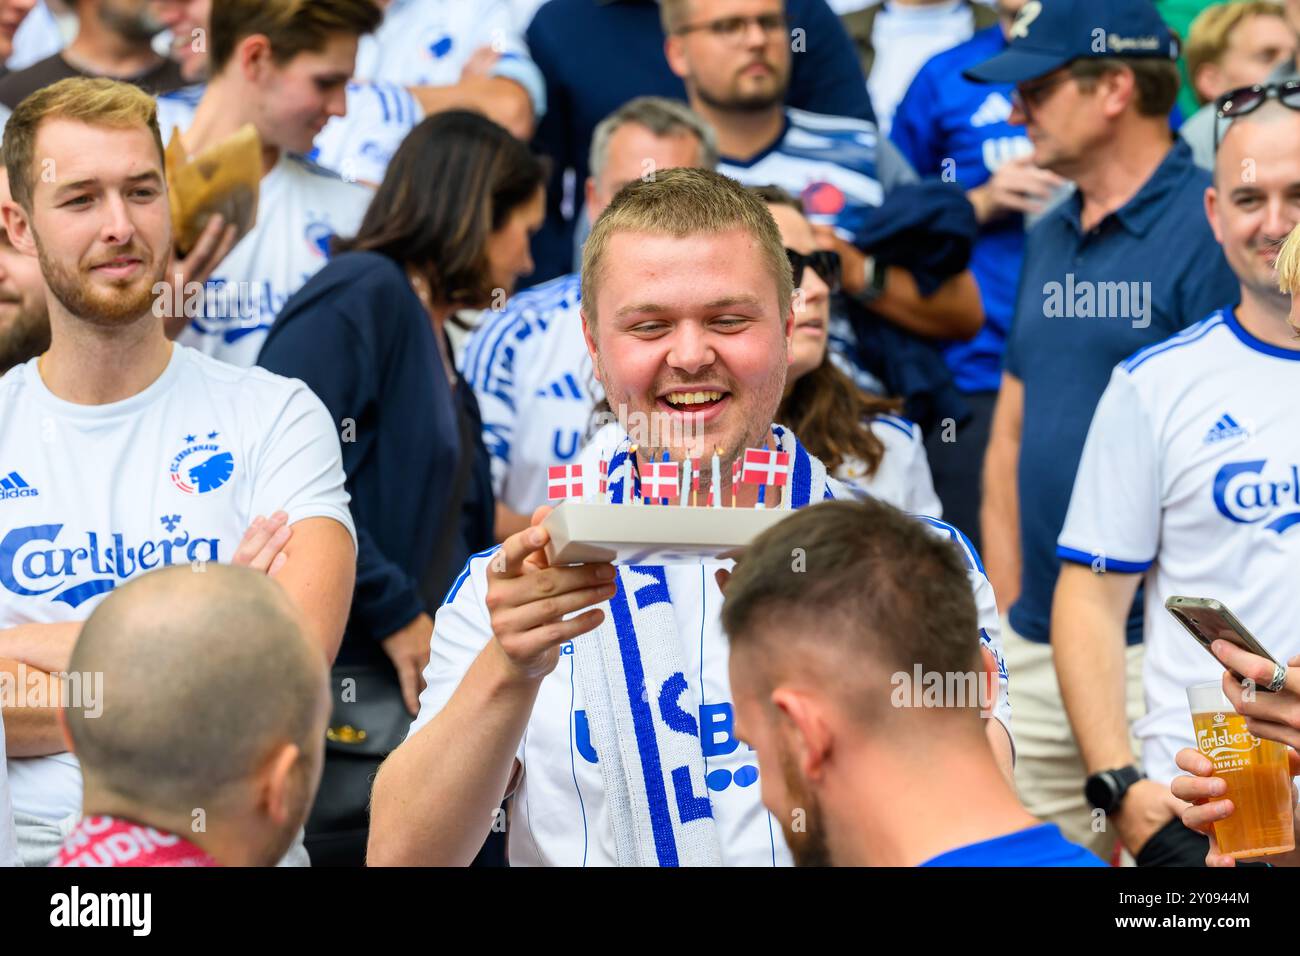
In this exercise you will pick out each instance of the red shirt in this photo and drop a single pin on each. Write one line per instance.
(107, 841)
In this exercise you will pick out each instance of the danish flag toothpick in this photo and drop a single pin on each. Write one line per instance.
(763, 467)
(659, 481)
(564, 481)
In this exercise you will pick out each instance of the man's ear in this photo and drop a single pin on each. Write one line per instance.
(676, 56)
(590, 339)
(1211, 210)
(275, 788)
(789, 335)
(1206, 78)
(590, 200)
(253, 56)
(19, 227)
(806, 730)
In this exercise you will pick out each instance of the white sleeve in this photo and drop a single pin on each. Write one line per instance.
(461, 629)
(917, 480)
(8, 844)
(299, 466)
(359, 145)
(989, 619)
(514, 62)
(1113, 522)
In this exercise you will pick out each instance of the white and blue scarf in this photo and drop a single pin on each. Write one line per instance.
(640, 708)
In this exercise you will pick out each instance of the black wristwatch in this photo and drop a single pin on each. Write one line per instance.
(1105, 790)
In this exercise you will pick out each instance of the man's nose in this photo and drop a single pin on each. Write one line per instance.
(117, 228)
(690, 349)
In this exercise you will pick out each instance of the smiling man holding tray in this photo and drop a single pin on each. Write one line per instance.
(612, 727)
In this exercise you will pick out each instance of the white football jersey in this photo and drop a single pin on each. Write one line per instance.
(360, 145)
(1190, 476)
(529, 367)
(301, 207)
(560, 817)
(903, 477)
(94, 495)
(428, 43)
(8, 841)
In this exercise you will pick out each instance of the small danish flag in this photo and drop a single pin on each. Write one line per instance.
(763, 467)
(659, 481)
(604, 477)
(563, 481)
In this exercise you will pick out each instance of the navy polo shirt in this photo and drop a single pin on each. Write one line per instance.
(1086, 302)
(951, 128)
(598, 54)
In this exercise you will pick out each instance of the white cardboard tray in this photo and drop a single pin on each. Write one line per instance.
(652, 534)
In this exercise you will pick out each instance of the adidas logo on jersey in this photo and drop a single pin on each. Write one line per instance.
(1226, 427)
(13, 486)
(996, 108)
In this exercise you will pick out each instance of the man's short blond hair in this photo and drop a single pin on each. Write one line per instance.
(672, 14)
(1208, 36)
(685, 202)
(95, 102)
(1288, 264)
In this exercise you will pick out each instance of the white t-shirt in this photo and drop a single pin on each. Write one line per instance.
(300, 208)
(173, 474)
(1189, 478)
(530, 370)
(560, 815)
(8, 841)
(903, 478)
(428, 42)
(903, 38)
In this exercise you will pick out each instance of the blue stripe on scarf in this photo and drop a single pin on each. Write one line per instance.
(615, 487)
(802, 486)
(643, 722)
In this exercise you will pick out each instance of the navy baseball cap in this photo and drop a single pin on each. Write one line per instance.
(1047, 34)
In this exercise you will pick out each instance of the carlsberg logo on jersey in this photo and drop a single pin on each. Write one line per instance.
(1243, 495)
(41, 560)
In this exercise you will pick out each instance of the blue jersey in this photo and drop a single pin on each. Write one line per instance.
(960, 131)
(1042, 845)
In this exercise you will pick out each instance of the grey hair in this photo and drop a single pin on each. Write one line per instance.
(661, 116)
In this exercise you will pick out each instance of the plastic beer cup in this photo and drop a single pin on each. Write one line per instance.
(1257, 774)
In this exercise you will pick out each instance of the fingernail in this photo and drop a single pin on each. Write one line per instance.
(535, 538)
(1218, 787)
(605, 572)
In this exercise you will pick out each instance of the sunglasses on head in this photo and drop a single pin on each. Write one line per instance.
(1247, 99)
(824, 262)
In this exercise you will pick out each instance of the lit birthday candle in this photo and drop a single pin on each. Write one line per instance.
(686, 480)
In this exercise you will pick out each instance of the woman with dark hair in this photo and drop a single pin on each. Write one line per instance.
(448, 229)
(859, 436)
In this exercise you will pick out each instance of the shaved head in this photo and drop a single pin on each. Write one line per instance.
(206, 675)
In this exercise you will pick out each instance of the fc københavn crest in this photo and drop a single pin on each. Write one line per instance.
(201, 466)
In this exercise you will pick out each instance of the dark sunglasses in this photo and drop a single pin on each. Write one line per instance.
(1247, 99)
(824, 262)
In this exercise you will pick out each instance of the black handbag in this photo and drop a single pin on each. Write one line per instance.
(369, 718)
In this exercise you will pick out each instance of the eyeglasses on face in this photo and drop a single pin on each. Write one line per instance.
(734, 29)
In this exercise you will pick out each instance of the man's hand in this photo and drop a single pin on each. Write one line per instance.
(262, 547)
(1271, 715)
(527, 601)
(214, 244)
(479, 63)
(1146, 808)
(408, 649)
(853, 260)
(1017, 186)
(1207, 803)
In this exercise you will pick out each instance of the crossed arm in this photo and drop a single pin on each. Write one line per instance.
(313, 560)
